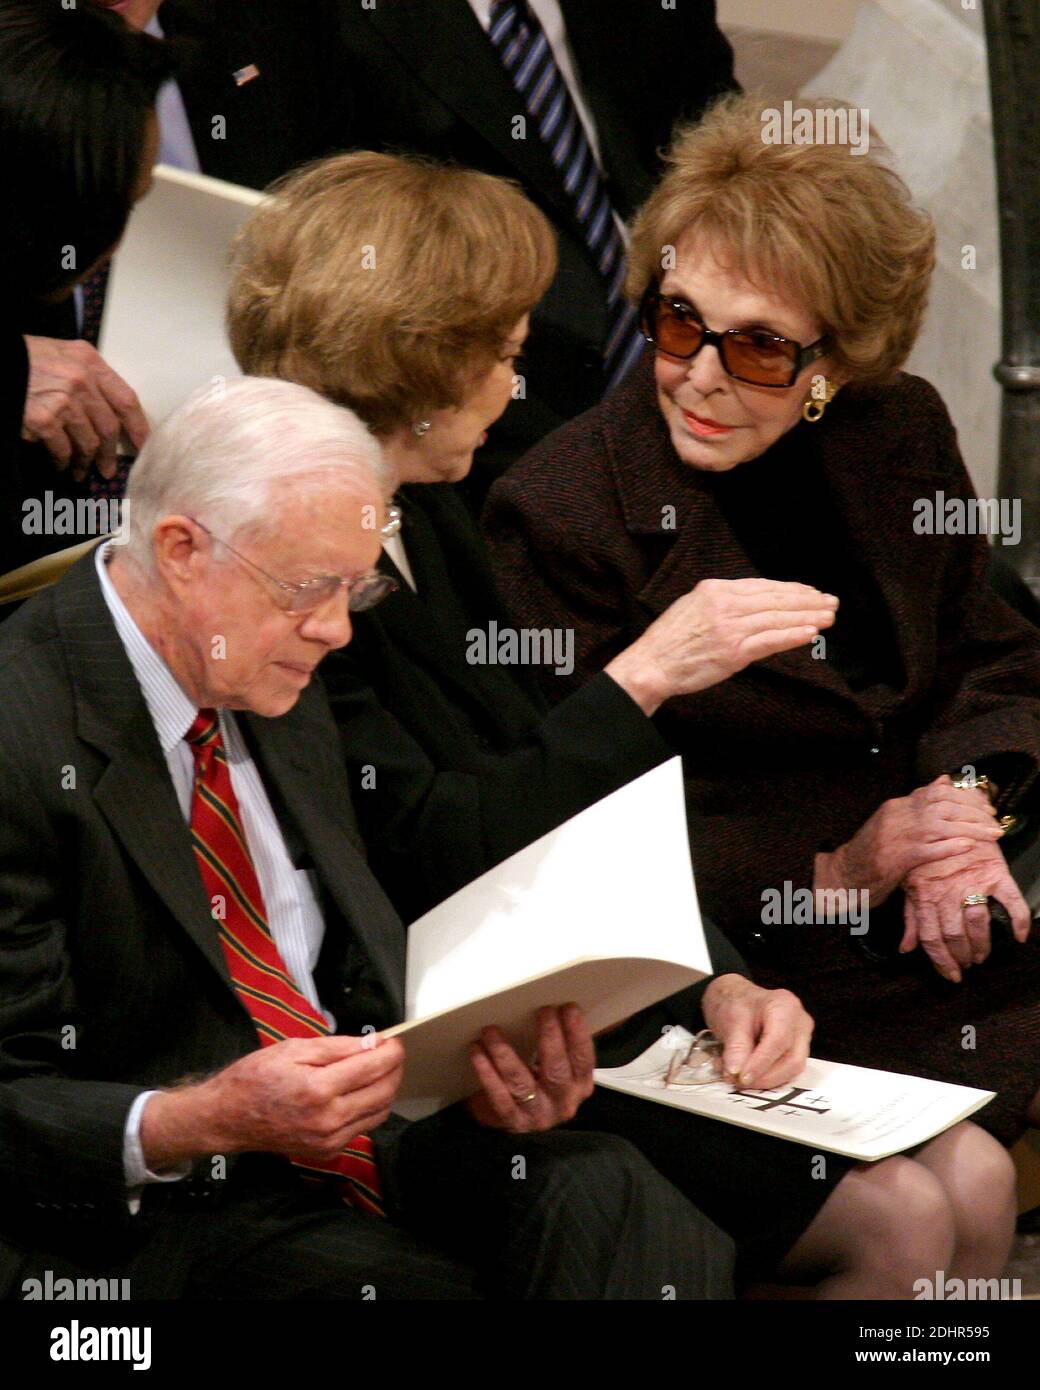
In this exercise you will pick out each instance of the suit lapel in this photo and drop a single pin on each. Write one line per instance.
(416, 621)
(455, 595)
(134, 793)
(210, 52)
(448, 51)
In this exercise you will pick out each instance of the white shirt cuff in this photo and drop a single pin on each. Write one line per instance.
(134, 1168)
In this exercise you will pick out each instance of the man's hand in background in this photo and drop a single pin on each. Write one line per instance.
(77, 406)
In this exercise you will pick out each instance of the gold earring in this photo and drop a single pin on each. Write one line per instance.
(813, 409)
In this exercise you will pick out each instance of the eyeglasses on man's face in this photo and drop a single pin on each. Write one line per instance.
(753, 356)
(363, 590)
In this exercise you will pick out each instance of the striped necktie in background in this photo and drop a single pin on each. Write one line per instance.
(528, 58)
(95, 287)
(261, 979)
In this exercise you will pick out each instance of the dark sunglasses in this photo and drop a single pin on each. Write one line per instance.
(757, 358)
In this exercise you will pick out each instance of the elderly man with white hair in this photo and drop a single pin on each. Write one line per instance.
(194, 957)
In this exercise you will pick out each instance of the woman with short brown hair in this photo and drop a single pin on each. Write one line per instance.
(394, 346)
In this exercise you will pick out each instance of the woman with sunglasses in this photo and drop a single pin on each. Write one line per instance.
(401, 288)
(858, 806)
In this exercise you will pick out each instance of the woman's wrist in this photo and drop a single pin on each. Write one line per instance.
(829, 871)
(640, 681)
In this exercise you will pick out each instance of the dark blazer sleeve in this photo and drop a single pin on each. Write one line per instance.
(987, 696)
(61, 1137)
(297, 107)
(14, 382)
(438, 829)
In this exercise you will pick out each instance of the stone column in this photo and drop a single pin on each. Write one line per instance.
(1013, 38)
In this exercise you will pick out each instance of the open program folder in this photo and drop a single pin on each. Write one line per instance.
(602, 911)
(855, 1111)
(163, 326)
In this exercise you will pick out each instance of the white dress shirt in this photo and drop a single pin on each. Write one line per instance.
(176, 142)
(394, 547)
(293, 911)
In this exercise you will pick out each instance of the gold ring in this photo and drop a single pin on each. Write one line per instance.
(526, 1100)
(967, 784)
(975, 900)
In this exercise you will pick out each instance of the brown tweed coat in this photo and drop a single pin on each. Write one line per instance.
(784, 760)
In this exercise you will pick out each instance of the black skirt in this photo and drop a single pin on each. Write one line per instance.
(762, 1191)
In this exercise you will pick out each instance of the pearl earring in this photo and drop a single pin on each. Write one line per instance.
(421, 427)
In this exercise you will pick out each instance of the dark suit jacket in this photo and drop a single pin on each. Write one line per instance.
(104, 923)
(454, 765)
(296, 109)
(426, 78)
(19, 462)
(14, 378)
(783, 760)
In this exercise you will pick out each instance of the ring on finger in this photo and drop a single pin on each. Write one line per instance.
(975, 900)
(969, 782)
(529, 1099)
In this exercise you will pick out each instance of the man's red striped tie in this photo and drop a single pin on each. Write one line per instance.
(259, 974)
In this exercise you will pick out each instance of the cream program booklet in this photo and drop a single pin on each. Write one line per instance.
(163, 326)
(853, 1111)
(602, 911)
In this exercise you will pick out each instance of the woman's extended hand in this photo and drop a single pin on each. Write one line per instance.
(932, 824)
(955, 937)
(715, 630)
(765, 1032)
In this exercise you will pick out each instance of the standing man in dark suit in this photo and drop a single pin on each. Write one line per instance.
(78, 128)
(180, 873)
(258, 87)
(252, 96)
(479, 81)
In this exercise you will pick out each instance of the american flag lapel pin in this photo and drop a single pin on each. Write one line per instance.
(246, 74)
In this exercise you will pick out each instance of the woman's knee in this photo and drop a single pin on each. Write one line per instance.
(992, 1167)
(895, 1217)
(977, 1173)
